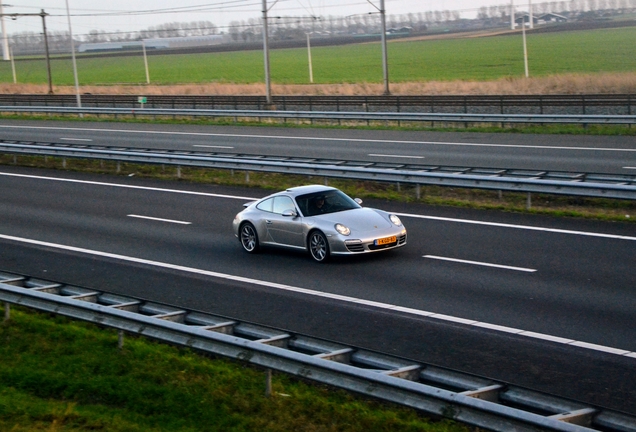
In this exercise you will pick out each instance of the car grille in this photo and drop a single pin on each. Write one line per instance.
(385, 246)
(355, 247)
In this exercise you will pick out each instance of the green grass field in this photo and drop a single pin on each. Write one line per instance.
(471, 59)
(62, 375)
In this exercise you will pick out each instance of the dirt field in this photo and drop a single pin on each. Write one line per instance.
(609, 83)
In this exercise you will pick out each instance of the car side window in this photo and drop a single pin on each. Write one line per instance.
(282, 203)
(266, 205)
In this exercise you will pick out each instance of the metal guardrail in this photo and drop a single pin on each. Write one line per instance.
(531, 181)
(469, 399)
(624, 104)
(336, 115)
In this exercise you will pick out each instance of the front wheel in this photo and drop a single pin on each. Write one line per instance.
(318, 246)
(249, 238)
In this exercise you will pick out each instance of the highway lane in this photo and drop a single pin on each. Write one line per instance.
(582, 286)
(506, 275)
(600, 154)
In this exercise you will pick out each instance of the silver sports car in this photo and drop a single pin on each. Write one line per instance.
(320, 219)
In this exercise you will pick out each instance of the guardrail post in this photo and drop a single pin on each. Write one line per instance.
(120, 339)
(528, 201)
(7, 311)
(583, 104)
(465, 111)
(247, 176)
(268, 383)
(417, 191)
(178, 171)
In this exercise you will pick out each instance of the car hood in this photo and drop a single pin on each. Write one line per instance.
(358, 220)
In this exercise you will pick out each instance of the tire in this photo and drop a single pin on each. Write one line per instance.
(249, 238)
(318, 246)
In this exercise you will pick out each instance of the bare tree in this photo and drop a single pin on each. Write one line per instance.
(234, 30)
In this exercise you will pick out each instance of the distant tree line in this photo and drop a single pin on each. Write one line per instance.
(571, 8)
(286, 28)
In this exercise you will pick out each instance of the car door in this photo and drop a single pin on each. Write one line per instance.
(285, 230)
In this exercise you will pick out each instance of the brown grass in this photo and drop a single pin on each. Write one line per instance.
(606, 83)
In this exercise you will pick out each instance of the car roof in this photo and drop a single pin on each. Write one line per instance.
(302, 190)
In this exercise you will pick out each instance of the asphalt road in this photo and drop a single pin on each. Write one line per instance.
(570, 281)
(583, 154)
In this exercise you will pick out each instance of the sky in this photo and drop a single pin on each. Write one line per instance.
(135, 15)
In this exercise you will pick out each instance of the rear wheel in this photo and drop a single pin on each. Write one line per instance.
(318, 246)
(249, 238)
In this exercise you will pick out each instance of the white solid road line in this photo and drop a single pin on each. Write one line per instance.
(396, 156)
(338, 297)
(159, 219)
(441, 143)
(523, 227)
(213, 146)
(76, 139)
(128, 186)
(480, 263)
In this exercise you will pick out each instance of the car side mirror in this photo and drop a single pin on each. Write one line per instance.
(358, 200)
(290, 213)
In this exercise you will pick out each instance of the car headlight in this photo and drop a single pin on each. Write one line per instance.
(396, 220)
(342, 229)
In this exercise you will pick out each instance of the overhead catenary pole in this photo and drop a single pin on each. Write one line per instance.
(5, 42)
(70, 30)
(46, 49)
(385, 65)
(268, 89)
(512, 14)
(311, 72)
(525, 48)
(43, 15)
(15, 77)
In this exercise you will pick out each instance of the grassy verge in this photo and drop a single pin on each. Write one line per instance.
(554, 205)
(61, 375)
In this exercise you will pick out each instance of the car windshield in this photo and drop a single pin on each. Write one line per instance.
(329, 201)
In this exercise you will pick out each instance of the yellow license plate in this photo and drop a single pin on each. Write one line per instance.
(386, 240)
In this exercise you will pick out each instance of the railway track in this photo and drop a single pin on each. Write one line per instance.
(616, 104)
